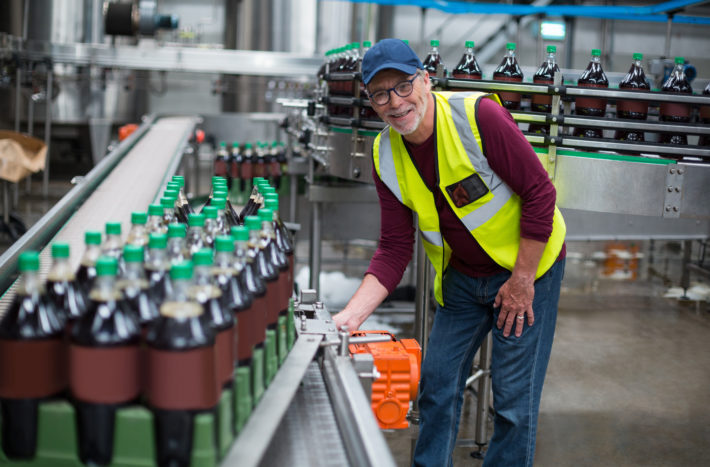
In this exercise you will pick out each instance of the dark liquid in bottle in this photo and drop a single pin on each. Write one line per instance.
(592, 77)
(137, 299)
(635, 80)
(104, 348)
(34, 360)
(509, 70)
(541, 102)
(431, 62)
(159, 284)
(85, 276)
(675, 112)
(68, 298)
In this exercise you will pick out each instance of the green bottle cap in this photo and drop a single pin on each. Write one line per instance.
(268, 189)
(158, 240)
(252, 223)
(266, 214)
(29, 261)
(367, 44)
(596, 53)
(172, 186)
(155, 210)
(406, 41)
(217, 178)
(133, 254)
(92, 237)
(510, 46)
(203, 257)
(551, 49)
(60, 250)
(222, 144)
(181, 270)
(434, 43)
(469, 44)
(179, 179)
(170, 194)
(106, 266)
(272, 204)
(113, 228)
(196, 220)
(219, 193)
(210, 212)
(271, 196)
(224, 243)
(235, 145)
(139, 218)
(638, 56)
(219, 203)
(167, 202)
(176, 230)
(239, 233)
(679, 60)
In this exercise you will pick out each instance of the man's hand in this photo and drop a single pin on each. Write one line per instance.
(515, 298)
(367, 297)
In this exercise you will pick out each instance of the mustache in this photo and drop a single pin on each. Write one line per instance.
(403, 110)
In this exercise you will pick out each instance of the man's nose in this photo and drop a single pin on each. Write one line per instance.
(394, 99)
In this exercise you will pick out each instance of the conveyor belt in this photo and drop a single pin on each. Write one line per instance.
(308, 435)
(131, 186)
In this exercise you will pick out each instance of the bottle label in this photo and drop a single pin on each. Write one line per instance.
(506, 95)
(636, 107)
(542, 99)
(705, 112)
(465, 76)
(225, 348)
(182, 380)
(246, 171)
(591, 102)
(104, 375)
(272, 299)
(234, 169)
(674, 109)
(32, 369)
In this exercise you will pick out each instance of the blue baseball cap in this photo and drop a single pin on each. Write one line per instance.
(389, 53)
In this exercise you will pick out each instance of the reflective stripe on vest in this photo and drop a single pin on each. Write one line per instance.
(388, 174)
(434, 238)
(498, 187)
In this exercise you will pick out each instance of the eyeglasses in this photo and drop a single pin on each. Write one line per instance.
(402, 89)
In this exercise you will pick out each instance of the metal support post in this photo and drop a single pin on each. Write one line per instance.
(30, 131)
(685, 272)
(18, 95)
(315, 246)
(669, 28)
(47, 129)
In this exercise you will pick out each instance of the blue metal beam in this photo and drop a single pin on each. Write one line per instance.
(628, 13)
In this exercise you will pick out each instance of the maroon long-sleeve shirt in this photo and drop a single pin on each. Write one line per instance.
(511, 157)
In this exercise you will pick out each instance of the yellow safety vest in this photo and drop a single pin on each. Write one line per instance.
(493, 219)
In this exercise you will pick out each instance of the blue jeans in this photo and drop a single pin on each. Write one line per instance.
(518, 368)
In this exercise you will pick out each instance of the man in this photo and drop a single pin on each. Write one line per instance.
(486, 214)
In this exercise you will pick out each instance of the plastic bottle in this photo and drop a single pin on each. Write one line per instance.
(157, 267)
(86, 272)
(195, 238)
(181, 373)
(183, 202)
(177, 248)
(222, 221)
(264, 268)
(32, 360)
(212, 230)
(468, 67)
(247, 166)
(433, 59)
(273, 163)
(260, 163)
(220, 160)
(277, 258)
(674, 111)
(135, 288)
(104, 365)
(284, 239)
(169, 214)
(230, 214)
(240, 298)
(544, 75)
(256, 285)
(509, 71)
(62, 289)
(155, 222)
(113, 244)
(635, 80)
(221, 318)
(235, 167)
(592, 77)
(138, 235)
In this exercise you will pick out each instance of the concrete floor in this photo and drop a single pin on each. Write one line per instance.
(626, 385)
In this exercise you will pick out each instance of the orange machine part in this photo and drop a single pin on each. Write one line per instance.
(398, 362)
(126, 130)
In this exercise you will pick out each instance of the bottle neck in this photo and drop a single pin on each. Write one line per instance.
(469, 51)
(180, 290)
(596, 59)
(551, 58)
(105, 285)
(223, 259)
(637, 63)
(30, 284)
(158, 256)
(60, 270)
(434, 51)
(203, 275)
(510, 54)
(133, 271)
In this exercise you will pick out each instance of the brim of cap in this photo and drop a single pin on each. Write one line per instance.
(409, 69)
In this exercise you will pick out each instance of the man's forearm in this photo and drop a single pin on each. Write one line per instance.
(529, 255)
(365, 300)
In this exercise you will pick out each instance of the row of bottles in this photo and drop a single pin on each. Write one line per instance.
(593, 77)
(242, 162)
(157, 324)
